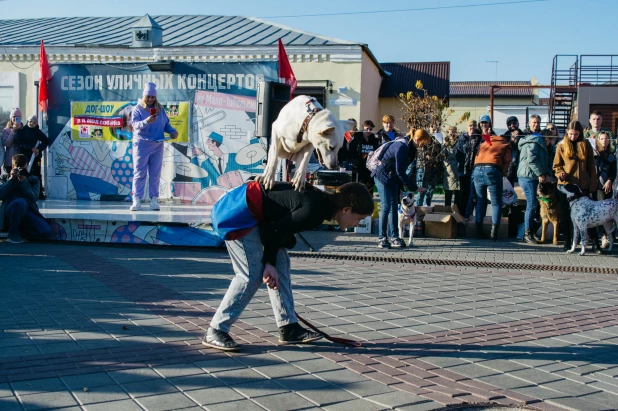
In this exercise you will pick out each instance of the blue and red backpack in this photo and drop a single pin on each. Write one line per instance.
(236, 213)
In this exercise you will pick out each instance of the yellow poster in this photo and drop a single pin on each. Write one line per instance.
(111, 120)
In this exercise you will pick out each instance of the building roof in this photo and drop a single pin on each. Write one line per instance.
(178, 31)
(481, 89)
(434, 76)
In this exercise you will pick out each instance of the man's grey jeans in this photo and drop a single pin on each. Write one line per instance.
(246, 254)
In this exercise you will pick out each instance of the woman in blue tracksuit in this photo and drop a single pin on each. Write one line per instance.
(387, 176)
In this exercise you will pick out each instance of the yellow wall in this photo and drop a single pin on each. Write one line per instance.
(27, 90)
(362, 80)
(392, 106)
(371, 80)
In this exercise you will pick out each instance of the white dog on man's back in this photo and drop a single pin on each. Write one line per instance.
(302, 126)
(407, 214)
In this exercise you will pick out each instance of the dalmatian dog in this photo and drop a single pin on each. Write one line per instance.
(407, 214)
(586, 213)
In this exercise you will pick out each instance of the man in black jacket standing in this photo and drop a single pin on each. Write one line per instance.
(19, 211)
(513, 134)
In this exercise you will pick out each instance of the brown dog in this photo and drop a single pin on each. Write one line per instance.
(549, 209)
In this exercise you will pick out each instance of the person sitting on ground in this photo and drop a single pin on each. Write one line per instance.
(257, 249)
(19, 211)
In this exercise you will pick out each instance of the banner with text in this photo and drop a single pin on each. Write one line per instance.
(111, 120)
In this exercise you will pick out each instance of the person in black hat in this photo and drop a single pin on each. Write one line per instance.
(513, 134)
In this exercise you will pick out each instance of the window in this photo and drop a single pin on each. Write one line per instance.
(6, 103)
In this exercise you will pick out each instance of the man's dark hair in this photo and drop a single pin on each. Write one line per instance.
(595, 113)
(368, 123)
(353, 195)
(20, 160)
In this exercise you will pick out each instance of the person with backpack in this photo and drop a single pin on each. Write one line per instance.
(388, 166)
(258, 224)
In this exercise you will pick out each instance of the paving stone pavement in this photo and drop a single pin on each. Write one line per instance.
(101, 327)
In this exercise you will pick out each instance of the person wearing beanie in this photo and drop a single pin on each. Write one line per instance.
(148, 137)
(31, 141)
(8, 138)
(490, 165)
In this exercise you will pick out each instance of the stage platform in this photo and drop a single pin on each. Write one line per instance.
(112, 222)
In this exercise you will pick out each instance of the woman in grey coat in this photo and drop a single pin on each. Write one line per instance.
(450, 181)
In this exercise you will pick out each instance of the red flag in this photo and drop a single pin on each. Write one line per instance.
(285, 69)
(45, 76)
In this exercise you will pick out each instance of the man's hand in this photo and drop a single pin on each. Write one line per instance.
(544, 178)
(421, 190)
(174, 135)
(607, 187)
(35, 151)
(14, 173)
(270, 277)
(563, 176)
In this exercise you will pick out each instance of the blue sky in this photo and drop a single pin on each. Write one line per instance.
(523, 37)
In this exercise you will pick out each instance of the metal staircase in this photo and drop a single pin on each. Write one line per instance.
(564, 81)
(569, 72)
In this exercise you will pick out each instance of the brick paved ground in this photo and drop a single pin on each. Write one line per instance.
(111, 328)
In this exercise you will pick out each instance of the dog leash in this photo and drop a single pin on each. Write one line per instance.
(344, 341)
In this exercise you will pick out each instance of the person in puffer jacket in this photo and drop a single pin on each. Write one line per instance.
(533, 168)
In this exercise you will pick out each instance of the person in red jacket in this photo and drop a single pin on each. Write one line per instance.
(491, 164)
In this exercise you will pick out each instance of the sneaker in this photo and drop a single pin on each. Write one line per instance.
(154, 204)
(15, 240)
(604, 242)
(295, 334)
(137, 204)
(219, 340)
(384, 243)
(398, 243)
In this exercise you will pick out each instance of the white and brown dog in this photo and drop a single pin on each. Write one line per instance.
(302, 126)
(407, 214)
(586, 213)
